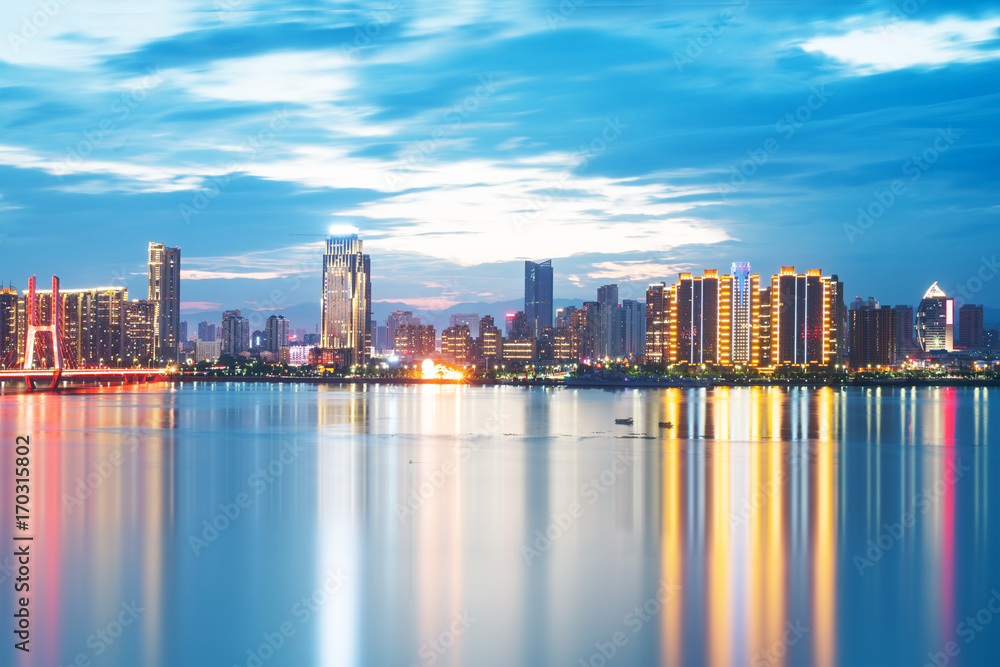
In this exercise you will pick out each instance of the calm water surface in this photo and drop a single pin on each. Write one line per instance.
(266, 525)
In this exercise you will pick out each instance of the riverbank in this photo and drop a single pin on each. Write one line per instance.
(608, 384)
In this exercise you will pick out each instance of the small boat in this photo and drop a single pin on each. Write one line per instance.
(627, 421)
(666, 424)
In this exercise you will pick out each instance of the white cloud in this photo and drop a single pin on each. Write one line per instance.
(195, 274)
(635, 270)
(77, 34)
(893, 45)
(299, 77)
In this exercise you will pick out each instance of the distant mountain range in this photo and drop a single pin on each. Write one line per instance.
(307, 315)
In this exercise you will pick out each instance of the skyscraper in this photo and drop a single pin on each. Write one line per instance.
(165, 293)
(935, 323)
(800, 318)
(139, 330)
(658, 316)
(206, 331)
(695, 332)
(469, 319)
(906, 344)
(396, 319)
(235, 333)
(745, 310)
(633, 328)
(871, 334)
(970, 327)
(8, 327)
(610, 332)
(275, 333)
(347, 298)
(538, 295)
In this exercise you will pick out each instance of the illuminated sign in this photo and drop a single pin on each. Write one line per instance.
(948, 311)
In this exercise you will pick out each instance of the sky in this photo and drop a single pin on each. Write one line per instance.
(625, 141)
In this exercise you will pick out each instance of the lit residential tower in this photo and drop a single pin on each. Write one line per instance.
(165, 293)
(347, 297)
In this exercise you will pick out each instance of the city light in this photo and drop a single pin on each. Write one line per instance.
(431, 371)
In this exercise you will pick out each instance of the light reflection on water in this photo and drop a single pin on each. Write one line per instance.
(504, 526)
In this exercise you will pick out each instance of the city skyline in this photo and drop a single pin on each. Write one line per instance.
(841, 136)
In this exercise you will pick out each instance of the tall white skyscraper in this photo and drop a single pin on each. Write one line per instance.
(742, 312)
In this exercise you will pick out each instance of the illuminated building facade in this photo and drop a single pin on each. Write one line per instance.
(140, 328)
(694, 331)
(164, 290)
(396, 319)
(347, 295)
(8, 327)
(456, 344)
(93, 324)
(489, 342)
(731, 320)
(417, 341)
(800, 318)
(935, 321)
(658, 317)
(520, 350)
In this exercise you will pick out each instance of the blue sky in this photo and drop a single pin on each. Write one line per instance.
(626, 142)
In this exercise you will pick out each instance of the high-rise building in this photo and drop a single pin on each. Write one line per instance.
(164, 290)
(838, 321)
(470, 320)
(93, 322)
(182, 338)
(564, 317)
(906, 344)
(730, 320)
(235, 333)
(610, 315)
(9, 333)
(140, 320)
(395, 320)
(590, 340)
(970, 327)
(456, 344)
(871, 334)
(519, 326)
(935, 321)
(633, 328)
(489, 342)
(659, 298)
(206, 331)
(694, 336)
(538, 296)
(800, 318)
(275, 333)
(347, 298)
(745, 289)
(417, 341)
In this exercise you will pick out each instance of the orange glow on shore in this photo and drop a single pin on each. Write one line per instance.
(431, 371)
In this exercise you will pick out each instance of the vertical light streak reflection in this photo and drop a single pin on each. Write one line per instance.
(672, 547)
(824, 546)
